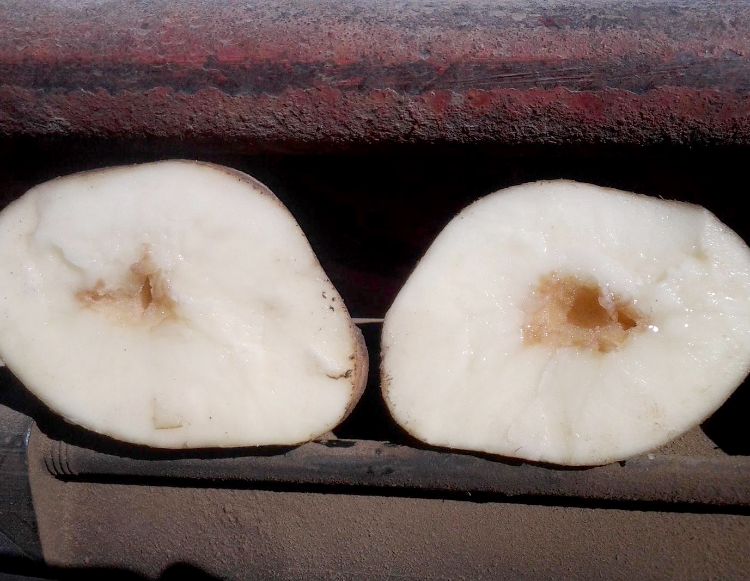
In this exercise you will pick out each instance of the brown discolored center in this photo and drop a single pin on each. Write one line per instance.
(142, 297)
(566, 311)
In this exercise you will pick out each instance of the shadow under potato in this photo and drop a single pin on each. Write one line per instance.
(728, 427)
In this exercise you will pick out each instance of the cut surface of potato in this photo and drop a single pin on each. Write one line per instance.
(566, 323)
(174, 304)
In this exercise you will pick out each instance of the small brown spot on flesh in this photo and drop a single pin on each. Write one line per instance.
(346, 375)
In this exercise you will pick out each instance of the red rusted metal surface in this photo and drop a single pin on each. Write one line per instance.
(300, 75)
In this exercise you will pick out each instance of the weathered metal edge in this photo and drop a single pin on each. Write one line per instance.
(655, 478)
(282, 75)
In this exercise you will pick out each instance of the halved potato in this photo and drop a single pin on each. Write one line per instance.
(567, 323)
(174, 304)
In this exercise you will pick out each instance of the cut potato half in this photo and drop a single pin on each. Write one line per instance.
(174, 304)
(566, 323)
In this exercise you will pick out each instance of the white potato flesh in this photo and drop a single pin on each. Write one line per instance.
(477, 356)
(176, 305)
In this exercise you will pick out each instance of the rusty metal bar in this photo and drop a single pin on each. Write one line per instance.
(662, 478)
(341, 73)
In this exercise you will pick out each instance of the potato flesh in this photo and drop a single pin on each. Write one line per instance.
(463, 367)
(174, 305)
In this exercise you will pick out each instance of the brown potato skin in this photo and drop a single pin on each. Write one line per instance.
(361, 369)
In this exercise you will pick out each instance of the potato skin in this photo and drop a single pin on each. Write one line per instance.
(361, 369)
